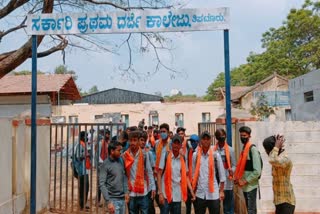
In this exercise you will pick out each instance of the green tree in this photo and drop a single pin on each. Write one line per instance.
(63, 69)
(290, 50)
(93, 89)
(25, 72)
(261, 108)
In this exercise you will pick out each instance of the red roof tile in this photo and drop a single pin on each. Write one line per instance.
(21, 84)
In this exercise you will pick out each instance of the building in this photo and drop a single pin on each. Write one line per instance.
(116, 96)
(305, 96)
(273, 90)
(186, 114)
(53, 89)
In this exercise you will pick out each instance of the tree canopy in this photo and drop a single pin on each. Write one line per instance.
(13, 22)
(290, 50)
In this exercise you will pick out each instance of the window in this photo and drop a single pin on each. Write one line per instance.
(206, 117)
(58, 119)
(99, 116)
(73, 119)
(308, 96)
(179, 119)
(125, 119)
(153, 118)
(288, 114)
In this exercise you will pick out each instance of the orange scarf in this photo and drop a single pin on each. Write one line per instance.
(159, 152)
(226, 149)
(152, 141)
(241, 165)
(168, 178)
(184, 147)
(211, 170)
(104, 150)
(139, 180)
(88, 163)
(190, 164)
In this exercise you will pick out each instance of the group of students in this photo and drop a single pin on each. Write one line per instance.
(142, 166)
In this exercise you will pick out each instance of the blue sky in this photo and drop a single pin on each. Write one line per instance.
(197, 55)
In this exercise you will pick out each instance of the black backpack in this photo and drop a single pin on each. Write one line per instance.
(249, 164)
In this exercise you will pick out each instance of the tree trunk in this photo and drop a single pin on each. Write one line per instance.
(16, 58)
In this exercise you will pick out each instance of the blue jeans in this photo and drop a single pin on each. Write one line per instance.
(139, 203)
(251, 201)
(119, 206)
(173, 208)
(228, 202)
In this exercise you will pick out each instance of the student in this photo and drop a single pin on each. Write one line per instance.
(162, 145)
(173, 180)
(142, 142)
(182, 133)
(283, 194)
(205, 162)
(101, 150)
(139, 174)
(229, 162)
(113, 181)
(191, 148)
(123, 139)
(83, 156)
(248, 170)
(160, 149)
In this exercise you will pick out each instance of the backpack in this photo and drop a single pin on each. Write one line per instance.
(249, 164)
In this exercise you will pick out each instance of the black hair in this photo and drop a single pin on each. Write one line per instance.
(83, 135)
(113, 145)
(219, 132)
(269, 143)
(144, 135)
(133, 128)
(165, 126)
(134, 134)
(245, 129)
(124, 136)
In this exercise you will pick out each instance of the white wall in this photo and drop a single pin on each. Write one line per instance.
(15, 166)
(192, 112)
(303, 147)
(5, 166)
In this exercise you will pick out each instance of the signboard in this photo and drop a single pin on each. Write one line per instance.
(134, 21)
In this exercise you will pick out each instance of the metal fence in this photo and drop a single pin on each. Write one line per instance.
(64, 186)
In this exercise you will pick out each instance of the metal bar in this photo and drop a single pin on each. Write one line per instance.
(85, 197)
(78, 150)
(227, 85)
(91, 169)
(55, 167)
(50, 165)
(33, 182)
(61, 158)
(73, 156)
(67, 162)
(98, 170)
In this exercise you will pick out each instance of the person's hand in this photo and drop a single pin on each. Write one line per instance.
(111, 208)
(193, 196)
(236, 181)
(230, 173)
(279, 141)
(153, 194)
(242, 182)
(126, 198)
(161, 199)
(221, 195)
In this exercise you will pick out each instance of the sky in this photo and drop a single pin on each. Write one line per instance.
(197, 56)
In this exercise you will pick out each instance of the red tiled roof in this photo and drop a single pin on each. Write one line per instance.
(21, 84)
